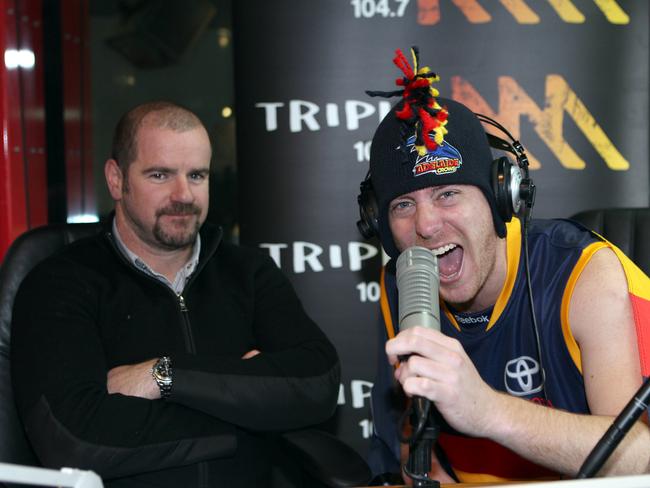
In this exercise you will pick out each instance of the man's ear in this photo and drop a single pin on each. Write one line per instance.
(114, 179)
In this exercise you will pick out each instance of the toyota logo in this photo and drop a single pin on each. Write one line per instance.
(522, 376)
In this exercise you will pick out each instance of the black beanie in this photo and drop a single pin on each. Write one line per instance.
(396, 168)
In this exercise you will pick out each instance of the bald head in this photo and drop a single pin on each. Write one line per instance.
(161, 115)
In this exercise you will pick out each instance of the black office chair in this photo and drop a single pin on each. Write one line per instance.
(325, 459)
(28, 250)
(627, 228)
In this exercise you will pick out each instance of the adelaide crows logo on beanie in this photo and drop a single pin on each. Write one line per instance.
(442, 160)
(426, 141)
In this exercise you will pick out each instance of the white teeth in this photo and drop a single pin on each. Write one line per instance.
(441, 250)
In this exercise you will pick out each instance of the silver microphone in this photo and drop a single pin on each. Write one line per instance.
(417, 294)
(417, 287)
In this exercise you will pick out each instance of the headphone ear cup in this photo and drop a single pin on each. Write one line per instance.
(501, 174)
(368, 224)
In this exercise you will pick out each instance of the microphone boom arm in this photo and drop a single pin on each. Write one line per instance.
(614, 435)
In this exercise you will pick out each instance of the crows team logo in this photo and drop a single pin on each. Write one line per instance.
(445, 159)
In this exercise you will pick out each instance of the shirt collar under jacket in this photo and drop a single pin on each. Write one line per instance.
(181, 277)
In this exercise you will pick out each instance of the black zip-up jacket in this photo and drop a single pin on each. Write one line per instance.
(87, 310)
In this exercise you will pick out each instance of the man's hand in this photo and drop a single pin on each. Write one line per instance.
(439, 369)
(134, 380)
(250, 354)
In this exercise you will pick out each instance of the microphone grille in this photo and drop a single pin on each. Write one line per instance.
(417, 282)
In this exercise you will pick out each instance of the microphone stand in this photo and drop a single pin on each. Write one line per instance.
(614, 435)
(425, 432)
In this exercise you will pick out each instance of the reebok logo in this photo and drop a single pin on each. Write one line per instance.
(483, 319)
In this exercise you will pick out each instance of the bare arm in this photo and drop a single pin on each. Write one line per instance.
(601, 322)
(133, 380)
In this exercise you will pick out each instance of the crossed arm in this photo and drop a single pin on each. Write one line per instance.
(136, 379)
(601, 322)
(67, 399)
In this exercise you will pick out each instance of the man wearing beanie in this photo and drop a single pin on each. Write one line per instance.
(521, 396)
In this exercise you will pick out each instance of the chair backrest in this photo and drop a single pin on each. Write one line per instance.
(27, 250)
(627, 228)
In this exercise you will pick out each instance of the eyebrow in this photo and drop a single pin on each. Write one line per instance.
(157, 169)
(165, 169)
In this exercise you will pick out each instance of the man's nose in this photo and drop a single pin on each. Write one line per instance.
(428, 221)
(182, 191)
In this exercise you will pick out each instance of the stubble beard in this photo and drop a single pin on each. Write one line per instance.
(486, 261)
(175, 237)
(162, 236)
(175, 241)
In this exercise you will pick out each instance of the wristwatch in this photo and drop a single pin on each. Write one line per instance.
(162, 373)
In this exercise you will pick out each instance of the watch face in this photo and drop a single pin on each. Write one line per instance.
(162, 371)
(162, 376)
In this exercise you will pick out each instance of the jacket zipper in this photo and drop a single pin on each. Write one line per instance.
(187, 326)
(181, 303)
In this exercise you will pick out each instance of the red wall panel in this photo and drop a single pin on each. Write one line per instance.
(30, 25)
(13, 204)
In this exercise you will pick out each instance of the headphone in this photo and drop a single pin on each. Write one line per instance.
(513, 189)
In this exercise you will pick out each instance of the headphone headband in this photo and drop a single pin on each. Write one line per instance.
(514, 147)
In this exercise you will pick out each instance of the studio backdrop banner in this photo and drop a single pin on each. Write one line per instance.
(569, 79)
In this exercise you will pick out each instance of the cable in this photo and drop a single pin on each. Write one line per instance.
(423, 416)
(538, 342)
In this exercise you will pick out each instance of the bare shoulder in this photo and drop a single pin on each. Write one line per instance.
(601, 320)
(600, 297)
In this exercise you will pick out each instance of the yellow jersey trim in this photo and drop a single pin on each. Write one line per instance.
(513, 255)
(385, 307)
(465, 477)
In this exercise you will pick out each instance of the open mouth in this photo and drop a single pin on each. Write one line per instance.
(450, 260)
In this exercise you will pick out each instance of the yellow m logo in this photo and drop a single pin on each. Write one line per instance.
(429, 11)
(514, 103)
